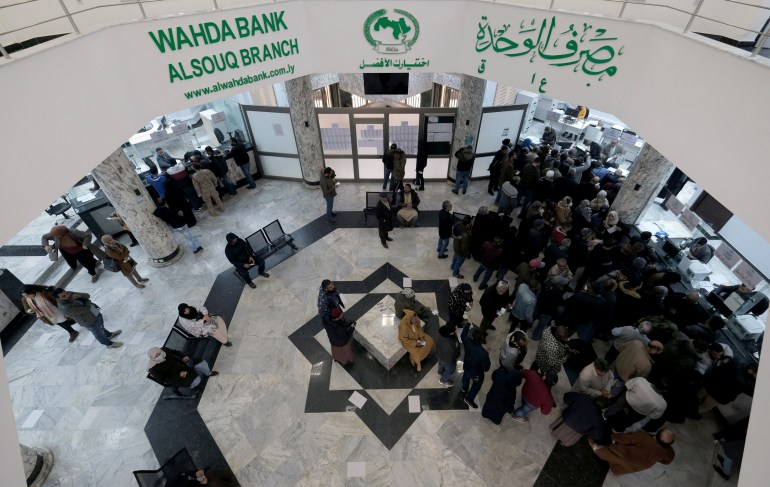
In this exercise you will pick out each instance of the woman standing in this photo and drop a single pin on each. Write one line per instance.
(199, 323)
(414, 339)
(120, 253)
(339, 331)
(74, 247)
(39, 300)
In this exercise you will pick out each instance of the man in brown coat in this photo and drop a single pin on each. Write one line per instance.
(634, 452)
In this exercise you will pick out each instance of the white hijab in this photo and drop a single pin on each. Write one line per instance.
(157, 356)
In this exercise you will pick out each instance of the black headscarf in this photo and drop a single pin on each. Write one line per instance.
(231, 236)
(192, 314)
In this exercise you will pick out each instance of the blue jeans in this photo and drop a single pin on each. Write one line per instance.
(329, 206)
(443, 244)
(524, 409)
(544, 321)
(586, 332)
(229, 186)
(246, 170)
(202, 369)
(474, 381)
(99, 332)
(446, 370)
(457, 262)
(192, 242)
(388, 177)
(488, 271)
(462, 177)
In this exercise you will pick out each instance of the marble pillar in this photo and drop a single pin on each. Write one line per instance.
(126, 192)
(306, 130)
(11, 465)
(468, 119)
(649, 174)
(38, 463)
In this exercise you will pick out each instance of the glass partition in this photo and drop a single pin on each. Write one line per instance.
(335, 133)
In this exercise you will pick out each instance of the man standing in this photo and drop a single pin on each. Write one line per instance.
(493, 303)
(220, 169)
(79, 308)
(241, 158)
(461, 245)
(242, 257)
(176, 221)
(634, 452)
(448, 351)
(328, 188)
(476, 363)
(460, 303)
(595, 379)
(328, 299)
(513, 350)
(399, 172)
(444, 228)
(422, 163)
(465, 158)
(164, 159)
(535, 394)
(384, 219)
(387, 161)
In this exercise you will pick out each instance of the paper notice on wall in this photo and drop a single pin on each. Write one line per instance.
(505, 132)
(611, 133)
(278, 129)
(727, 255)
(627, 138)
(689, 219)
(180, 129)
(674, 205)
(218, 117)
(553, 116)
(159, 135)
(434, 128)
(747, 275)
(442, 137)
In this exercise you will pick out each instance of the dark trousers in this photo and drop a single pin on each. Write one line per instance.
(133, 239)
(244, 273)
(383, 234)
(620, 416)
(485, 323)
(474, 381)
(420, 180)
(67, 325)
(396, 187)
(85, 257)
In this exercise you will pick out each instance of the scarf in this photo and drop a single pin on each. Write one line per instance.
(157, 356)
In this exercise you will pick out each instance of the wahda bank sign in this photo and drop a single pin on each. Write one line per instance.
(199, 39)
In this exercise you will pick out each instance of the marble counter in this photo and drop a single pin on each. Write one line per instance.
(377, 331)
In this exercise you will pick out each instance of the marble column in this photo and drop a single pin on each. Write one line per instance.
(11, 465)
(306, 131)
(38, 463)
(126, 192)
(468, 119)
(649, 174)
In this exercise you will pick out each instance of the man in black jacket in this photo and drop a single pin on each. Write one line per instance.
(444, 228)
(448, 351)
(241, 158)
(476, 363)
(384, 219)
(492, 302)
(242, 256)
(219, 164)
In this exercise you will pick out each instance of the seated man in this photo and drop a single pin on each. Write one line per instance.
(242, 257)
(170, 367)
(406, 300)
(408, 214)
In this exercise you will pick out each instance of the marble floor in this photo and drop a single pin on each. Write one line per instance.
(90, 404)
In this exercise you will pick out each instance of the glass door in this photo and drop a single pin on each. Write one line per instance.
(370, 146)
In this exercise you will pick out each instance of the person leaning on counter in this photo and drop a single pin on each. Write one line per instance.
(745, 293)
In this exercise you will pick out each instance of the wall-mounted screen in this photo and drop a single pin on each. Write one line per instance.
(386, 83)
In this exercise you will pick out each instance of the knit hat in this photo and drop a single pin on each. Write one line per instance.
(336, 313)
(601, 195)
(536, 264)
(640, 263)
(230, 237)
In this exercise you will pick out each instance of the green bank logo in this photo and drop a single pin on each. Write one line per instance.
(392, 33)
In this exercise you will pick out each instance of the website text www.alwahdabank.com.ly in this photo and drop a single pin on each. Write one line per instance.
(239, 81)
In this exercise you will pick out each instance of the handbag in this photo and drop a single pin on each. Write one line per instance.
(53, 254)
(111, 264)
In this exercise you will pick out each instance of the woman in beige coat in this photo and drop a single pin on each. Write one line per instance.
(120, 253)
(414, 339)
(205, 184)
(39, 300)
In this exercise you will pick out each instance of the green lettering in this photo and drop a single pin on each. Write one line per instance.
(164, 38)
(279, 20)
(200, 34)
(196, 67)
(216, 88)
(266, 53)
(173, 74)
(242, 24)
(227, 31)
(255, 54)
(284, 46)
(276, 47)
(294, 46)
(182, 38)
(245, 57)
(231, 60)
(255, 27)
(213, 39)
(268, 21)
(230, 84)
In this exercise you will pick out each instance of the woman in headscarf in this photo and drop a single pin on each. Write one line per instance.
(611, 223)
(502, 395)
(600, 201)
(563, 212)
(74, 246)
(39, 300)
(340, 331)
(199, 323)
(120, 253)
(170, 368)
(414, 339)
(328, 299)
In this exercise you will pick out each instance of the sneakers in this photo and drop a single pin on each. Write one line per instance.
(252, 285)
(114, 334)
(471, 404)
(520, 419)
(115, 345)
(455, 191)
(385, 244)
(264, 274)
(228, 344)
(388, 239)
(95, 278)
(443, 256)
(74, 336)
(446, 384)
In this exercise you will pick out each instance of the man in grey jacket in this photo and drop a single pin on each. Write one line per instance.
(79, 308)
(328, 188)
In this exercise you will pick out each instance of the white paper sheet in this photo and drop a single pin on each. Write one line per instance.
(407, 282)
(357, 399)
(414, 404)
